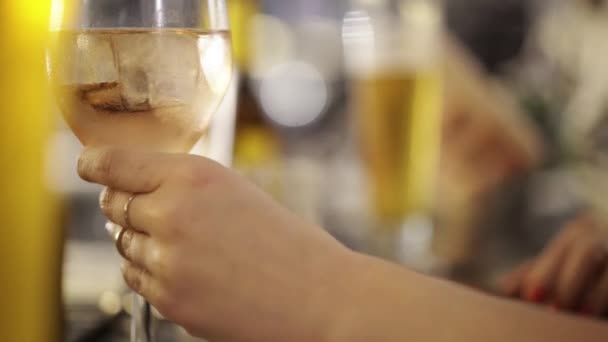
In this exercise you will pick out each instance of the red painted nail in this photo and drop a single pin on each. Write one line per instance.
(537, 295)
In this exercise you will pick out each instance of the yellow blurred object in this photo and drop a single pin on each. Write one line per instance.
(399, 120)
(241, 12)
(393, 56)
(256, 146)
(257, 156)
(30, 244)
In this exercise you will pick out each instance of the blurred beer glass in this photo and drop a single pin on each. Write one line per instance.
(393, 60)
(31, 243)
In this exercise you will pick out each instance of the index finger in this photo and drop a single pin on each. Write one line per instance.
(133, 171)
(510, 285)
(541, 278)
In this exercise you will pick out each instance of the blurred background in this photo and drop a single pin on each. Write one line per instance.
(453, 137)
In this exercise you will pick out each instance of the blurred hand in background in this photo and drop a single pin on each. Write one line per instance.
(487, 138)
(571, 273)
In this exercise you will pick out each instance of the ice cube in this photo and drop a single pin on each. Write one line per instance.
(178, 73)
(135, 88)
(158, 69)
(93, 61)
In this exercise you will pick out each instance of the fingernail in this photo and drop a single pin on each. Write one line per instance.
(537, 295)
(110, 228)
(102, 198)
(555, 306)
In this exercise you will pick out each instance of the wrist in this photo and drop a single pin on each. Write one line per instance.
(324, 300)
(372, 298)
(361, 298)
(340, 300)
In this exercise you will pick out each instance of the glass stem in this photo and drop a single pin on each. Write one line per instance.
(142, 323)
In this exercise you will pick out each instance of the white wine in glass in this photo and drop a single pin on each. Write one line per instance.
(153, 89)
(141, 74)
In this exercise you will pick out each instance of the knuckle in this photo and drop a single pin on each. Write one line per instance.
(162, 263)
(170, 214)
(133, 278)
(175, 213)
(155, 257)
(127, 243)
(174, 217)
(154, 209)
(186, 171)
(196, 171)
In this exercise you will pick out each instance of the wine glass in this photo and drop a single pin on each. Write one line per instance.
(141, 74)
